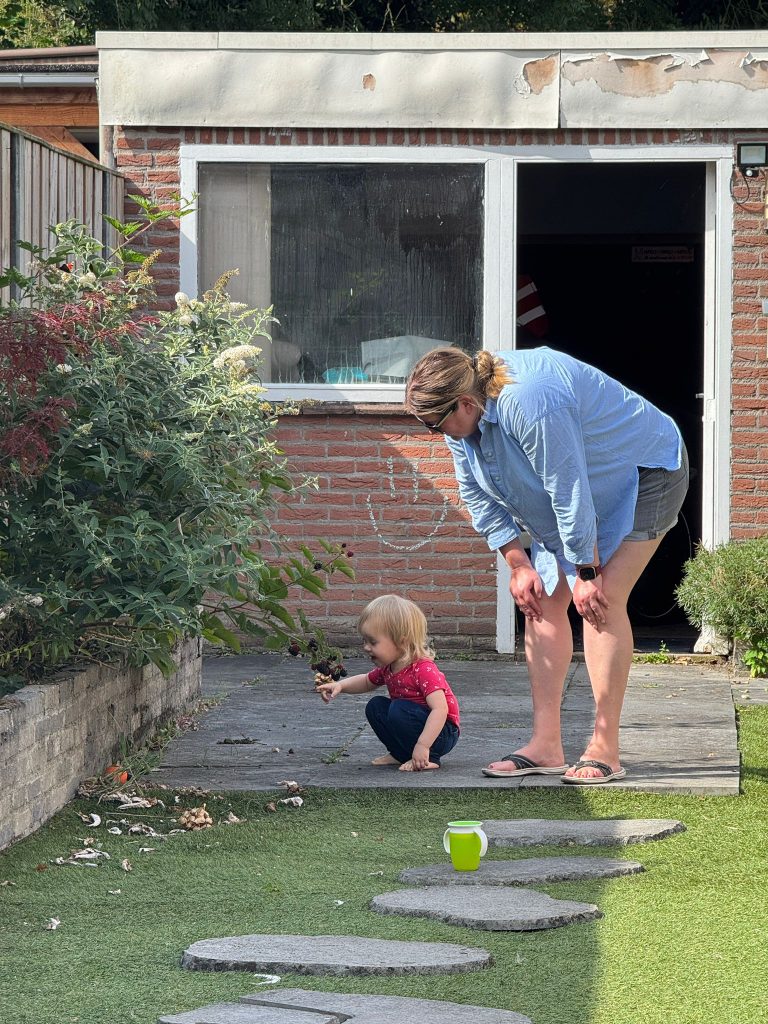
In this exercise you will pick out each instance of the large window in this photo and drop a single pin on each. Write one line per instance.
(367, 265)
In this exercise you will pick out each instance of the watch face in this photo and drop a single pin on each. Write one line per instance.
(587, 572)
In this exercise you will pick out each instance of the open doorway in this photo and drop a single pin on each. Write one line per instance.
(617, 254)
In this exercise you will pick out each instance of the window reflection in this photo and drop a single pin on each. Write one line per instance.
(367, 266)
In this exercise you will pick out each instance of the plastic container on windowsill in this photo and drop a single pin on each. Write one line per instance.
(345, 375)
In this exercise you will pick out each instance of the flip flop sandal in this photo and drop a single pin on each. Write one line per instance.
(607, 774)
(525, 766)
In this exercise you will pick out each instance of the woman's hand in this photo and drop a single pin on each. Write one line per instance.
(591, 603)
(526, 589)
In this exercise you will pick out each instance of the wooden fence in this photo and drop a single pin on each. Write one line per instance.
(41, 186)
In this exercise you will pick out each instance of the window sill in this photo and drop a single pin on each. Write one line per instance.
(337, 408)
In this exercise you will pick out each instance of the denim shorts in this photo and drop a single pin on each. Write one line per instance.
(659, 499)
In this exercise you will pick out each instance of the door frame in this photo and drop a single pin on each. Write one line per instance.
(716, 338)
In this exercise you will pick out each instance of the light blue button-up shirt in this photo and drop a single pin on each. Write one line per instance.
(557, 455)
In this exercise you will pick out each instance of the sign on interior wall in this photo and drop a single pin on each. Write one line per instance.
(662, 254)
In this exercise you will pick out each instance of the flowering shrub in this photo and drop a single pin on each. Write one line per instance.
(137, 468)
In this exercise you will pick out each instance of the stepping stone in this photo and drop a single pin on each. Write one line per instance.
(239, 1013)
(531, 871)
(598, 832)
(331, 954)
(486, 906)
(360, 1009)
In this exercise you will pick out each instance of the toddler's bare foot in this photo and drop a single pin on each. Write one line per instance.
(408, 766)
(385, 759)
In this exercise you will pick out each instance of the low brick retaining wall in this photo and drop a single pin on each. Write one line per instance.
(55, 735)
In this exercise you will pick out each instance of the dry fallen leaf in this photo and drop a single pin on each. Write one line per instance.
(6, 881)
(292, 801)
(231, 819)
(114, 892)
(91, 820)
(77, 863)
(146, 849)
(126, 865)
(268, 979)
(52, 924)
(115, 831)
(89, 854)
(145, 830)
(291, 786)
(130, 802)
(270, 806)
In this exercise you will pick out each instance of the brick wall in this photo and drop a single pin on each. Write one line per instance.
(452, 574)
(54, 736)
(386, 487)
(749, 389)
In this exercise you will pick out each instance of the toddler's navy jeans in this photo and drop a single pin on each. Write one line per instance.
(399, 723)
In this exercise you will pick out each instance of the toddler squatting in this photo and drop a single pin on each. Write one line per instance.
(418, 722)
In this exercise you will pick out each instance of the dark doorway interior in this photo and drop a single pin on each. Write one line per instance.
(616, 252)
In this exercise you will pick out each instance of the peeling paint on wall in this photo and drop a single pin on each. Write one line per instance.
(683, 57)
(538, 74)
(198, 80)
(644, 75)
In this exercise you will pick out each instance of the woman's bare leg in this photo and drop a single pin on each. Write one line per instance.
(548, 653)
(608, 652)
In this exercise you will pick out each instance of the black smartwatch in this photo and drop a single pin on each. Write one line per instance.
(588, 572)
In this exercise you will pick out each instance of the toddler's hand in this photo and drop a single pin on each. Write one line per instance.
(326, 687)
(420, 756)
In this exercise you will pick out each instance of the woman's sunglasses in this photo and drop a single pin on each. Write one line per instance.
(437, 428)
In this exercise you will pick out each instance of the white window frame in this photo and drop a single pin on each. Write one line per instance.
(192, 155)
(499, 244)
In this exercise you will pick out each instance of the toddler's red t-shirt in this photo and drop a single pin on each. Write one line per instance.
(414, 682)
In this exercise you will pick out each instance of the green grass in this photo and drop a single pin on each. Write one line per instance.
(682, 943)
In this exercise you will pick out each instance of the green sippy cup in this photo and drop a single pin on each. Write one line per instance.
(466, 842)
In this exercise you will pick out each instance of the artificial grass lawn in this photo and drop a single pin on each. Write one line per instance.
(683, 943)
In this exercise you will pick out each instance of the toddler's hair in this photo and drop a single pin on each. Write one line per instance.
(402, 621)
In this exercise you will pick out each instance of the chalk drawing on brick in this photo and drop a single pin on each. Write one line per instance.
(414, 501)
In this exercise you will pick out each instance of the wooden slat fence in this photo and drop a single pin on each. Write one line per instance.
(41, 186)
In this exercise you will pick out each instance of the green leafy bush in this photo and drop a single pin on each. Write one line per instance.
(138, 468)
(727, 590)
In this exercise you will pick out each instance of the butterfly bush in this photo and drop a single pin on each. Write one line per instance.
(138, 467)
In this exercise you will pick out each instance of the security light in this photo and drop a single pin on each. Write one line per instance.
(750, 157)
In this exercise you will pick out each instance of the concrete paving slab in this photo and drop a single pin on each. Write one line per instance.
(332, 954)
(488, 907)
(678, 730)
(596, 832)
(528, 871)
(362, 1009)
(241, 1013)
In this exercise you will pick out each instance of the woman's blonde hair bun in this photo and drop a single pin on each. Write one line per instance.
(443, 374)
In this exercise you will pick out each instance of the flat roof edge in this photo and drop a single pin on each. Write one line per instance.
(433, 41)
